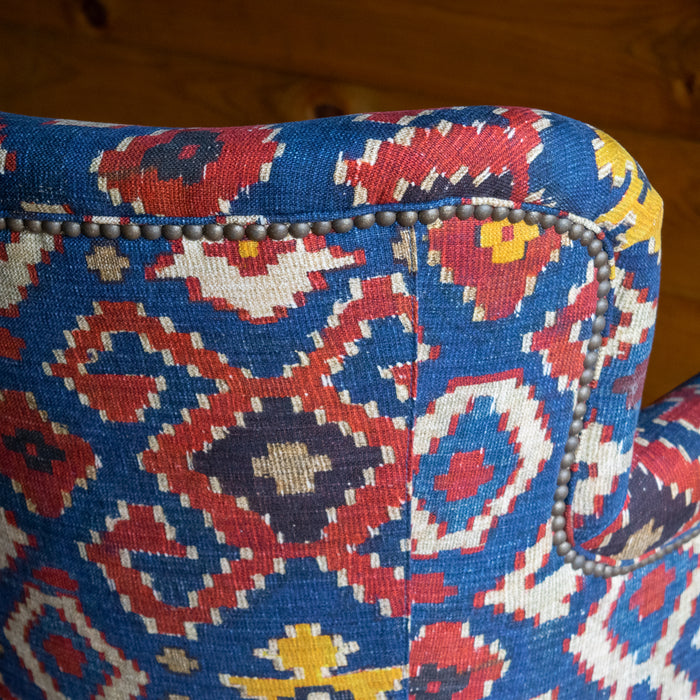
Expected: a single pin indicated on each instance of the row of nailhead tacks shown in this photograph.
(278, 231)
(601, 261)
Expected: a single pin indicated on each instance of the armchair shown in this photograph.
(347, 408)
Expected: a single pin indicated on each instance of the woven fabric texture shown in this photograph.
(323, 468)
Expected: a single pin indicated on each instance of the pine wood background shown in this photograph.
(629, 67)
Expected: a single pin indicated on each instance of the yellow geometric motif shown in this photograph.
(248, 249)
(311, 656)
(507, 240)
(644, 218)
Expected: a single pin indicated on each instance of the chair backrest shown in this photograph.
(288, 409)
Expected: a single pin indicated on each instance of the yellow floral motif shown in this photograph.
(507, 240)
(643, 217)
(311, 656)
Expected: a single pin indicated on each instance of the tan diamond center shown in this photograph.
(291, 466)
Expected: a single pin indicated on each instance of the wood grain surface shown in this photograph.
(630, 67)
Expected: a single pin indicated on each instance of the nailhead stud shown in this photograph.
(110, 231)
(599, 324)
(564, 477)
(561, 226)
(578, 561)
(171, 232)
(192, 232)
(595, 247)
(561, 492)
(90, 230)
(580, 410)
(51, 227)
(213, 232)
(234, 232)
(559, 508)
(483, 211)
(365, 221)
(465, 211)
(559, 537)
(428, 216)
(447, 211)
(342, 225)
(603, 289)
(586, 237)
(576, 231)
(130, 232)
(151, 232)
(321, 228)
(532, 217)
(571, 444)
(603, 273)
(385, 218)
(406, 218)
(563, 549)
(277, 231)
(559, 523)
(255, 232)
(299, 230)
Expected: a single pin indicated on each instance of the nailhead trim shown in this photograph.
(277, 231)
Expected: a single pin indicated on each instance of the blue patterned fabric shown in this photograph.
(324, 467)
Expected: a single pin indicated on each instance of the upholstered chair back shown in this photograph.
(338, 409)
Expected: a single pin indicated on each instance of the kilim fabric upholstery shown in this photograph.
(339, 409)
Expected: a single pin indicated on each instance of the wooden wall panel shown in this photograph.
(630, 67)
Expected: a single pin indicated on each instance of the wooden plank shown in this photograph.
(630, 63)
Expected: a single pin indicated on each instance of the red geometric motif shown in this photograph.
(522, 419)
(145, 529)
(123, 398)
(670, 465)
(27, 620)
(467, 472)
(286, 272)
(446, 156)
(446, 654)
(605, 654)
(309, 389)
(496, 287)
(19, 258)
(10, 346)
(44, 461)
(650, 595)
(187, 172)
(68, 658)
(685, 409)
(637, 317)
(563, 344)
